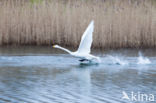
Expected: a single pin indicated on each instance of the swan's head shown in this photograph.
(56, 46)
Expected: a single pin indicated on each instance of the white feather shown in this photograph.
(86, 39)
(84, 49)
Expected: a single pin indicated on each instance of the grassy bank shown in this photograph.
(118, 23)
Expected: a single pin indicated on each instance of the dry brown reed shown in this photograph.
(118, 23)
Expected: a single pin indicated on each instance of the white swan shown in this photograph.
(84, 49)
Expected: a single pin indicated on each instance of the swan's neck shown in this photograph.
(64, 49)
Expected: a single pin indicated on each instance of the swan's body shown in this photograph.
(84, 49)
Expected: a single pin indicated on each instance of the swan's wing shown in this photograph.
(86, 39)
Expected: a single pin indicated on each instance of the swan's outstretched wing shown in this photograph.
(86, 39)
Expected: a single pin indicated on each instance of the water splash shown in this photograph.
(142, 59)
(117, 60)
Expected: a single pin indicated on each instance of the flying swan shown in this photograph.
(84, 49)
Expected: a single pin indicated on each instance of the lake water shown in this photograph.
(45, 75)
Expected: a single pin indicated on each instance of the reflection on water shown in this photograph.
(28, 77)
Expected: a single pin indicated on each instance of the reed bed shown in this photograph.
(118, 23)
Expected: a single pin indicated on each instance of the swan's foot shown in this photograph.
(82, 60)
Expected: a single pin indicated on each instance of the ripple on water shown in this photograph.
(47, 79)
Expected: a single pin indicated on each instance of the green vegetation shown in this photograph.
(36, 1)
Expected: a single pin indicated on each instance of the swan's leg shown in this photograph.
(82, 60)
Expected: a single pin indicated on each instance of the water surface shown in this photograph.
(45, 75)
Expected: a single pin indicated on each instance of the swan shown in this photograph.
(84, 49)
